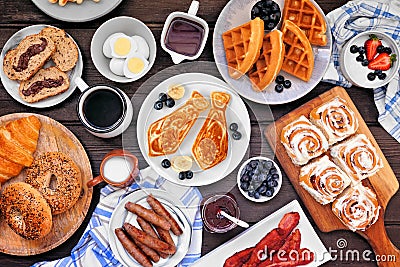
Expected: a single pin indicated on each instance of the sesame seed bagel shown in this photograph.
(26, 211)
(64, 194)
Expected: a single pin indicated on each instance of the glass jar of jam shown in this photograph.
(213, 221)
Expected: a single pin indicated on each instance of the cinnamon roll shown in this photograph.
(336, 120)
(303, 141)
(357, 157)
(323, 180)
(357, 208)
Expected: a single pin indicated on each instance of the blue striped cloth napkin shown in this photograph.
(93, 249)
(349, 20)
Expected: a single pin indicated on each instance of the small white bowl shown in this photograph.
(130, 26)
(355, 73)
(262, 198)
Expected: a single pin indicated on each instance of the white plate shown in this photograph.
(12, 86)
(172, 204)
(249, 238)
(72, 12)
(237, 12)
(236, 112)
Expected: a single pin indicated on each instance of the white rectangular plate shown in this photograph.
(250, 237)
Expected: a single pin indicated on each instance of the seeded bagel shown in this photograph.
(64, 194)
(26, 211)
(66, 54)
(47, 77)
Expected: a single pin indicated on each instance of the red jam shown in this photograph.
(184, 37)
(213, 222)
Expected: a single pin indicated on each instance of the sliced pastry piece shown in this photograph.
(299, 57)
(306, 15)
(211, 144)
(357, 157)
(18, 140)
(165, 135)
(357, 208)
(336, 120)
(8, 169)
(270, 61)
(46, 82)
(303, 141)
(66, 54)
(31, 54)
(7, 64)
(323, 179)
(242, 46)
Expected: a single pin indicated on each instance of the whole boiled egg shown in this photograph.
(135, 65)
(122, 45)
(117, 66)
(143, 47)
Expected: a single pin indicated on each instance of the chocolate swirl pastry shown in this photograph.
(357, 157)
(357, 208)
(336, 120)
(303, 141)
(323, 180)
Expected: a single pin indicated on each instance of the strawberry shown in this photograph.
(371, 46)
(382, 62)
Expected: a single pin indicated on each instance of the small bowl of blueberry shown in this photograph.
(259, 179)
(370, 59)
(269, 11)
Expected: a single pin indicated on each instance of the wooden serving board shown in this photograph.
(53, 137)
(384, 183)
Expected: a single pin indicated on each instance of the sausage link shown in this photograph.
(148, 229)
(165, 236)
(148, 215)
(151, 253)
(132, 249)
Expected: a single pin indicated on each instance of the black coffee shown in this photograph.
(103, 108)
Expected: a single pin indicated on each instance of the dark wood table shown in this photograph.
(18, 14)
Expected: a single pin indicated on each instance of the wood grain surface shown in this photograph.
(53, 137)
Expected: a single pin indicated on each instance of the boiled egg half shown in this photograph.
(122, 45)
(135, 65)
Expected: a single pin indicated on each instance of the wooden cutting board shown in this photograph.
(53, 137)
(384, 183)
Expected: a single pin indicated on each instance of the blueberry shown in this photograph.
(273, 170)
(279, 79)
(272, 183)
(262, 189)
(236, 135)
(251, 193)
(182, 176)
(158, 105)
(249, 168)
(269, 177)
(170, 102)
(371, 76)
(165, 163)
(264, 177)
(162, 97)
(233, 126)
(269, 164)
(275, 176)
(287, 84)
(272, 17)
(387, 50)
(189, 175)
(365, 62)
(256, 195)
(279, 88)
(245, 186)
(353, 49)
(377, 72)
(379, 49)
(245, 178)
(361, 50)
(270, 26)
(256, 171)
(382, 76)
(360, 58)
(275, 7)
(254, 164)
(255, 11)
(269, 192)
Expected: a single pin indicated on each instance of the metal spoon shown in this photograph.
(233, 219)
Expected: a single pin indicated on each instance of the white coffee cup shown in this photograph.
(103, 119)
(190, 16)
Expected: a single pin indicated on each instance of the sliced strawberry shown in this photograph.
(382, 62)
(371, 46)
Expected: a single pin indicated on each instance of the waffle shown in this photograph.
(242, 46)
(270, 61)
(305, 15)
(211, 144)
(299, 58)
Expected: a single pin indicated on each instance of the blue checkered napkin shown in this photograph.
(93, 249)
(351, 19)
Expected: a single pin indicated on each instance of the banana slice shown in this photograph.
(181, 163)
(176, 91)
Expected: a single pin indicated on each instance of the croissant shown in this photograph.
(18, 142)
